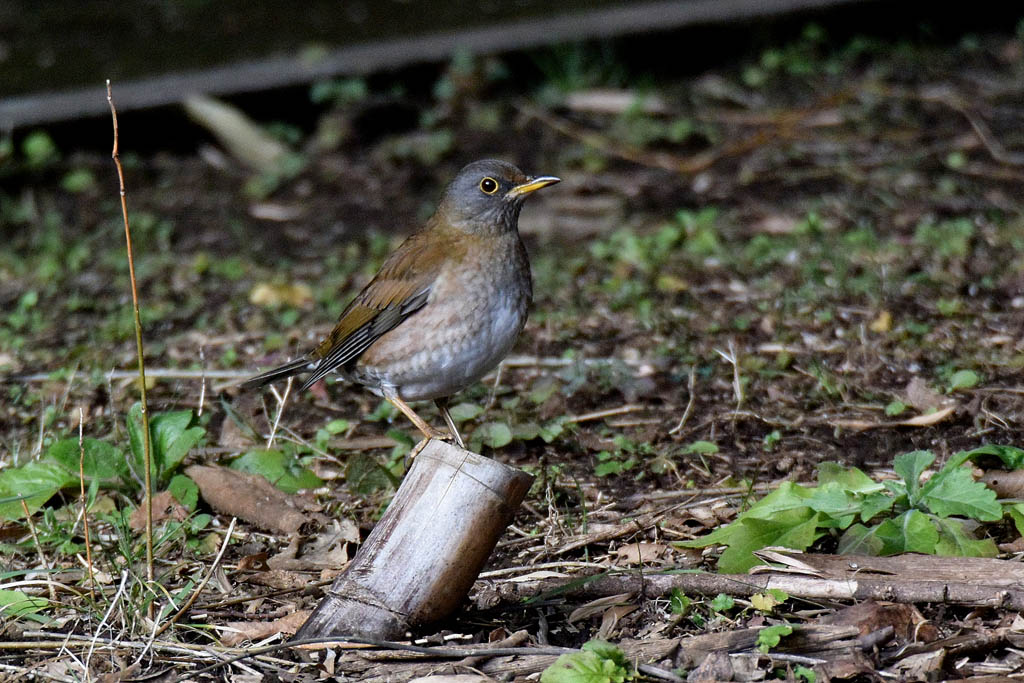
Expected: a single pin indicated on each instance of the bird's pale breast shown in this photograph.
(475, 312)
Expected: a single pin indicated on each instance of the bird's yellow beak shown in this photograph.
(532, 185)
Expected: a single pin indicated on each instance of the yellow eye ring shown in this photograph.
(488, 185)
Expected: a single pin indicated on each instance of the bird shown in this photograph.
(445, 307)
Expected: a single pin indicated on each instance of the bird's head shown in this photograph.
(486, 196)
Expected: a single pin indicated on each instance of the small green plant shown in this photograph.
(596, 662)
(769, 637)
(104, 465)
(877, 518)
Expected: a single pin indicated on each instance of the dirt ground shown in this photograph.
(811, 254)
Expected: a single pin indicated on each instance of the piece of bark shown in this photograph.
(419, 562)
(250, 497)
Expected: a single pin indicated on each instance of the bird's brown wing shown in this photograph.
(400, 288)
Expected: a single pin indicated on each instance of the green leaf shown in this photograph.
(848, 478)
(173, 437)
(18, 604)
(956, 541)
(35, 483)
(805, 673)
(723, 602)
(910, 466)
(701, 447)
(796, 529)
(465, 411)
(282, 471)
(911, 532)
(102, 460)
(875, 503)
(963, 379)
(894, 408)
(954, 492)
(1012, 457)
(493, 434)
(860, 540)
(597, 662)
(184, 491)
(678, 602)
(770, 636)
(336, 426)
(1016, 512)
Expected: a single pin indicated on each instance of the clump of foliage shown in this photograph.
(935, 516)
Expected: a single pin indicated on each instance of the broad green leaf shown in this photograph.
(873, 504)
(606, 650)
(954, 492)
(848, 478)
(955, 540)
(279, 469)
(770, 636)
(524, 431)
(102, 460)
(18, 604)
(838, 507)
(493, 434)
(911, 532)
(587, 666)
(173, 437)
(860, 540)
(37, 481)
(910, 466)
(184, 491)
(1016, 512)
(1011, 456)
(963, 379)
(465, 411)
(796, 529)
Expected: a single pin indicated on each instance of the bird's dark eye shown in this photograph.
(488, 185)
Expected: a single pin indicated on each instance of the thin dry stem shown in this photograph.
(146, 446)
(85, 502)
(689, 404)
(39, 547)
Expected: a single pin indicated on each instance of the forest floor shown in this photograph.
(814, 254)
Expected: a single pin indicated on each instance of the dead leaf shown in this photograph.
(1005, 484)
(610, 620)
(598, 606)
(921, 396)
(271, 295)
(252, 498)
(883, 323)
(640, 553)
(257, 562)
(280, 579)
(258, 630)
(929, 419)
(869, 616)
(165, 507)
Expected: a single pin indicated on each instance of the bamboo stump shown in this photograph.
(419, 562)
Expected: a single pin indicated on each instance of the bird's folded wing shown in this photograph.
(400, 288)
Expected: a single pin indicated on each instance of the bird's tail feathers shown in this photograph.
(295, 367)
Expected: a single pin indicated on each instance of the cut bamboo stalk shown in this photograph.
(419, 562)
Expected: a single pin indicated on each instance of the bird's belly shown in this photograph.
(444, 348)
